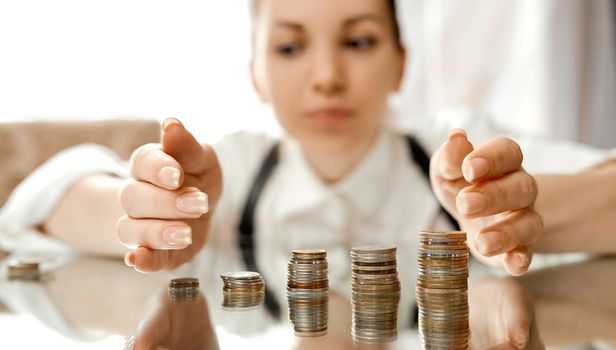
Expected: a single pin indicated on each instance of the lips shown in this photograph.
(331, 115)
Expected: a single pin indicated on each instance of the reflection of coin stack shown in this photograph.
(24, 270)
(442, 290)
(181, 289)
(376, 293)
(307, 292)
(242, 290)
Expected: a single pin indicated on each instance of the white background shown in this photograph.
(541, 67)
(75, 59)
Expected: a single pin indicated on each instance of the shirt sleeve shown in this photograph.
(34, 199)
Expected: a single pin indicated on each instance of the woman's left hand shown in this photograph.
(492, 197)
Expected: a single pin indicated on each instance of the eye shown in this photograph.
(288, 49)
(360, 43)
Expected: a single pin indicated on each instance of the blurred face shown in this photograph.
(327, 67)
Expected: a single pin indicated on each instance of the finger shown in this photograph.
(517, 261)
(154, 234)
(448, 160)
(517, 317)
(446, 178)
(494, 158)
(150, 333)
(151, 164)
(510, 192)
(143, 200)
(182, 145)
(150, 260)
(518, 228)
(535, 341)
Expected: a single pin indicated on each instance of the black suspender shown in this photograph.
(246, 227)
(421, 158)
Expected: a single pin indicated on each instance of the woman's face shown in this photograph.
(327, 68)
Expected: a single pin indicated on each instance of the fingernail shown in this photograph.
(177, 235)
(475, 168)
(489, 242)
(520, 260)
(170, 176)
(193, 203)
(470, 202)
(456, 133)
(170, 121)
(129, 259)
(520, 339)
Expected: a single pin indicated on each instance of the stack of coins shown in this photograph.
(375, 294)
(181, 289)
(242, 290)
(442, 290)
(24, 270)
(308, 292)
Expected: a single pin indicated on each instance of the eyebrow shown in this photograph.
(353, 20)
(347, 23)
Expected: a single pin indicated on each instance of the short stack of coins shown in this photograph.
(442, 290)
(375, 294)
(308, 292)
(182, 289)
(242, 290)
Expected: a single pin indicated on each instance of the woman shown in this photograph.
(340, 177)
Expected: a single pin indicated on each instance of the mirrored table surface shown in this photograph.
(89, 302)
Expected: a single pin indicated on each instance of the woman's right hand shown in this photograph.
(169, 204)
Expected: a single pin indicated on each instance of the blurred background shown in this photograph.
(541, 67)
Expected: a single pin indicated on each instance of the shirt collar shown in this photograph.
(301, 190)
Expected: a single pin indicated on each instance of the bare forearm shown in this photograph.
(87, 215)
(579, 211)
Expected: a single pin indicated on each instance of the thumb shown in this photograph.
(180, 144)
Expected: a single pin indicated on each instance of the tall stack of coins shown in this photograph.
(442, 290)
(308, 292)
(375, 294)
(184, 289)
(242, 290)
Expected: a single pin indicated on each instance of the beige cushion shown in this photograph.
(26, 145)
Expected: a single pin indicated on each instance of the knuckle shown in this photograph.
(500, 193)
(121, 228)
(126, 196)
(146, 159)
(534, 189)
(137, 156)
(528, 187)
(514, 149)
(163, 200)
(538, 222)
(512, 236)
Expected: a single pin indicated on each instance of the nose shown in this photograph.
(328, 76)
